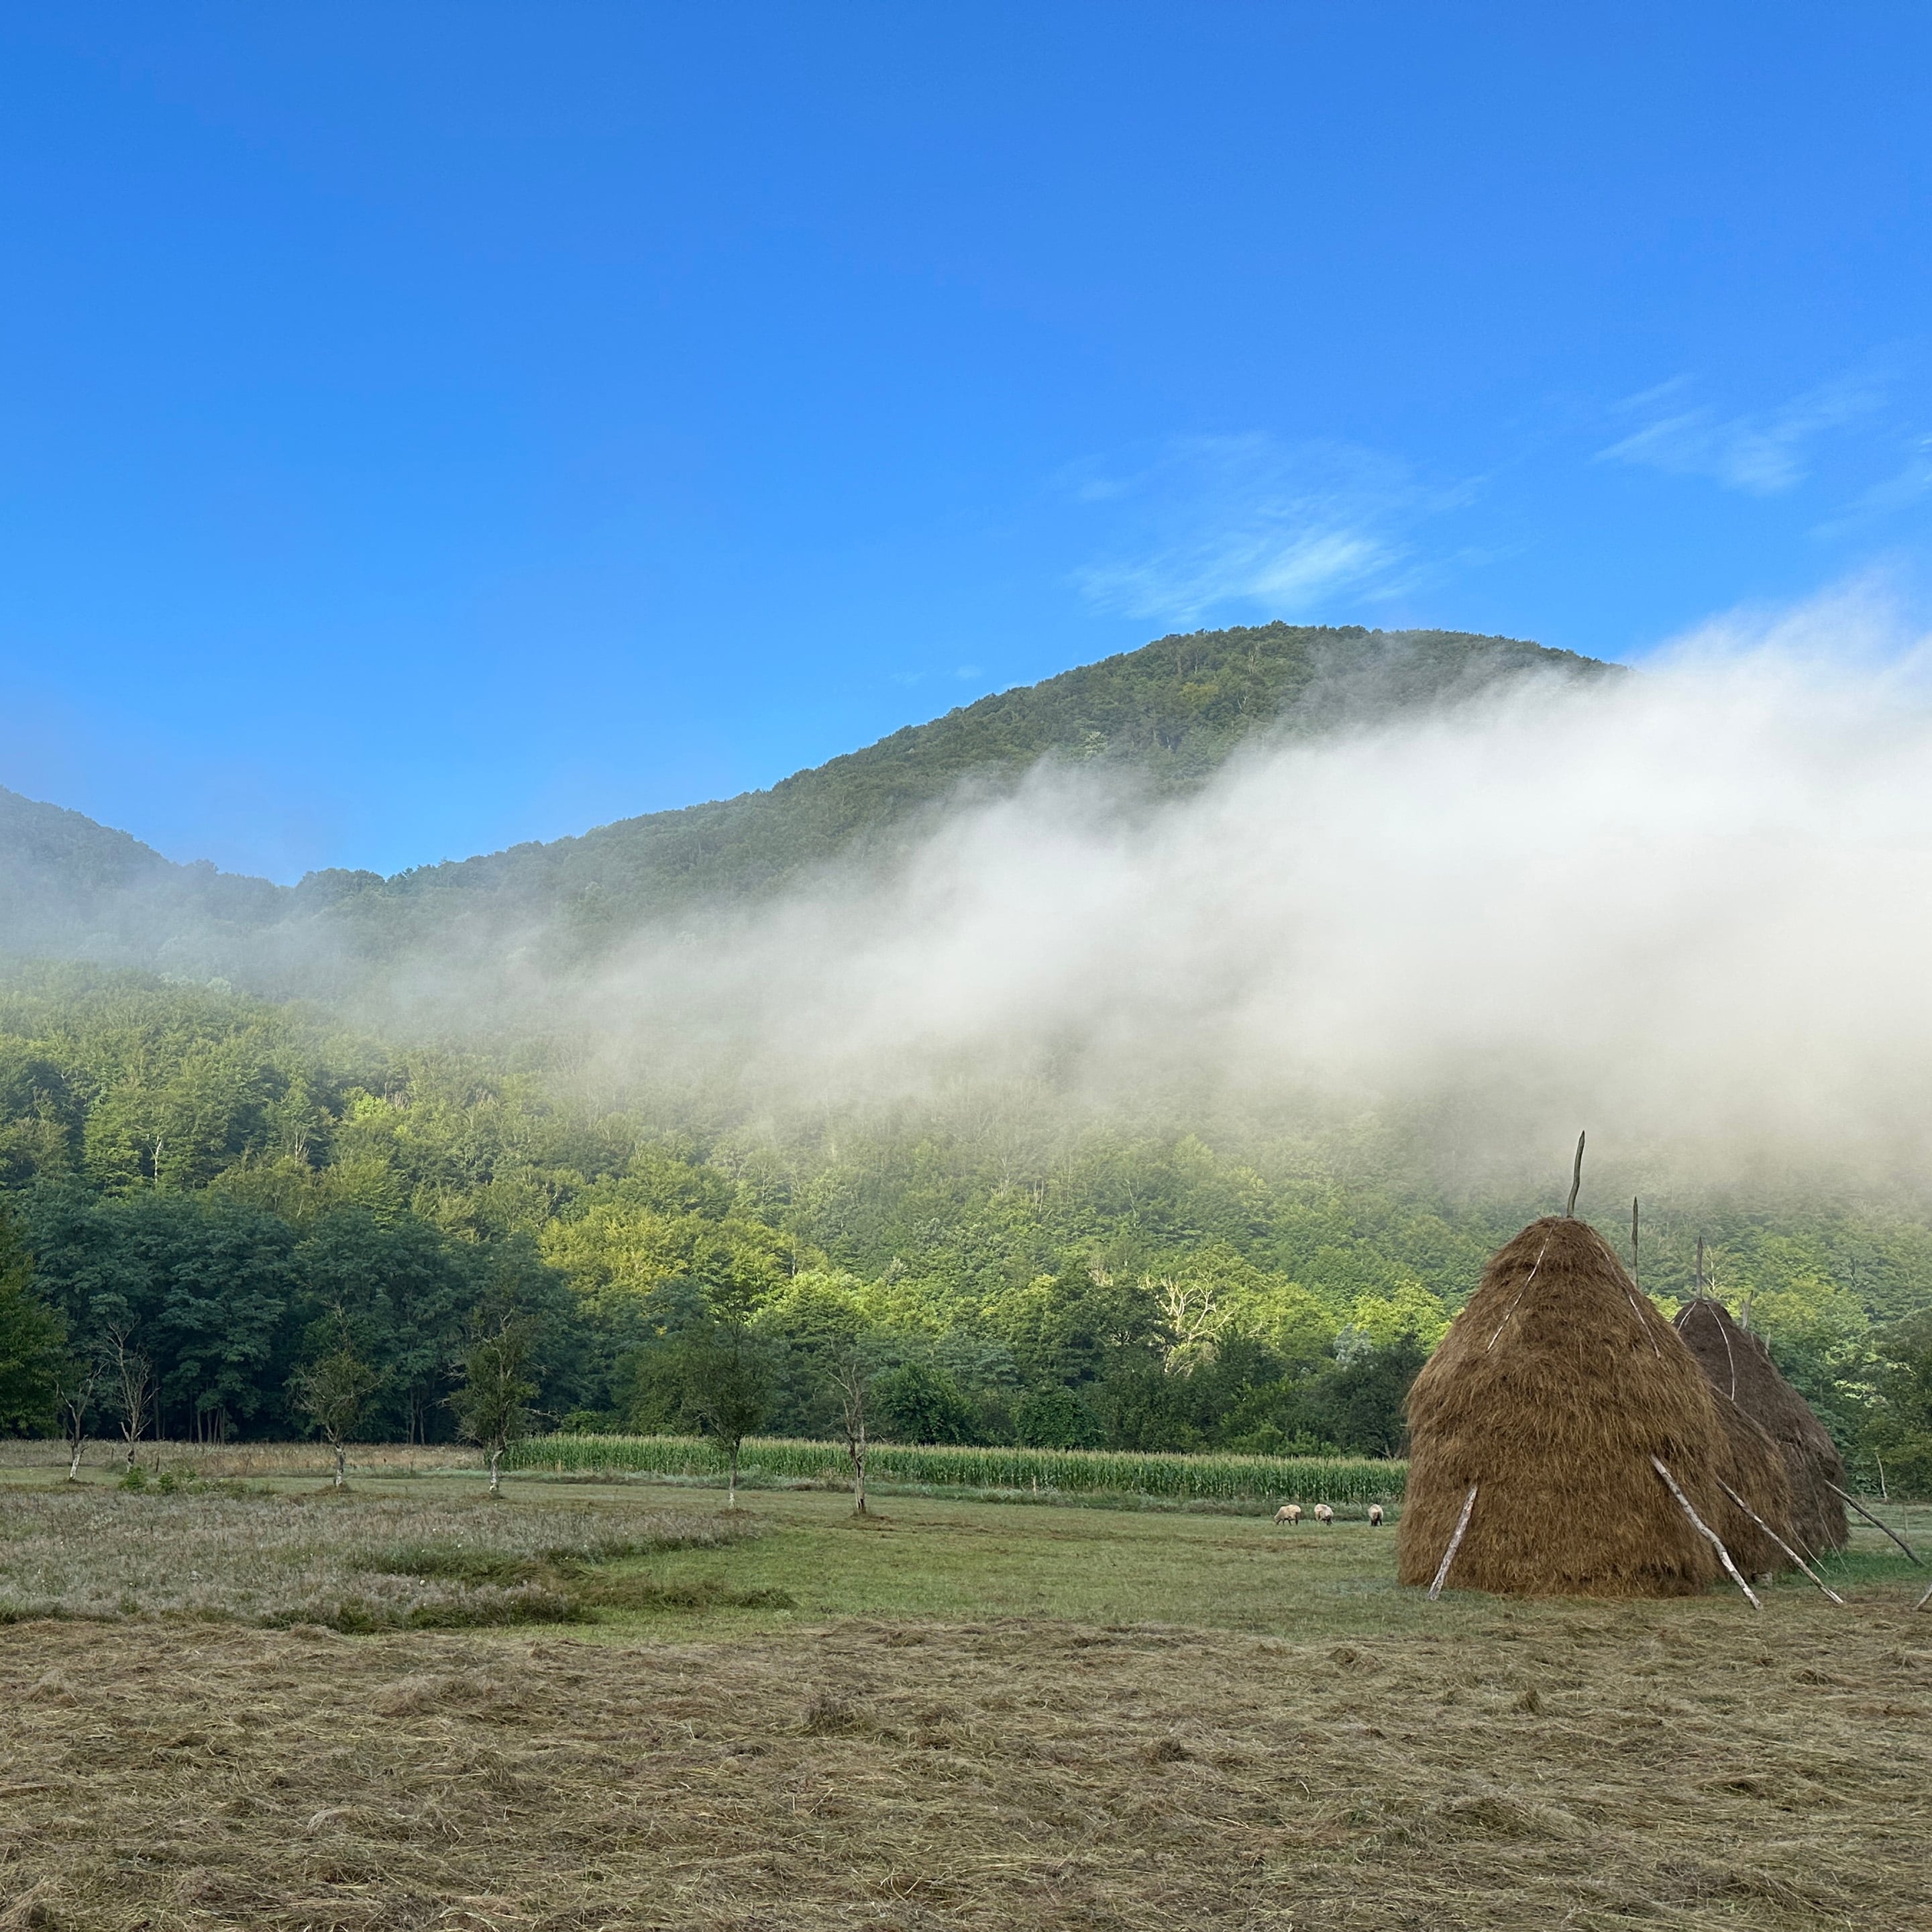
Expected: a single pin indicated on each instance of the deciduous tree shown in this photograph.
(492, 1407)
(32, 1336)
(333, 1393)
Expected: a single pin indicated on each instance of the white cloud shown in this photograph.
(1221, 522)
(1763, 454)
(1906, 488)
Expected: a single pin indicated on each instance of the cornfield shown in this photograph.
(1340, 1480)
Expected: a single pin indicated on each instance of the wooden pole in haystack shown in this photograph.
(1455, 1543)
(1876, 1524)
(1576, 1181)
(1779, 1541)
(1637, 1274)
(1705, 1530)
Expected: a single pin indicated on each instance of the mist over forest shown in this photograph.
(1151, 1058)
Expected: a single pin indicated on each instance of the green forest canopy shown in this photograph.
(241, 1180)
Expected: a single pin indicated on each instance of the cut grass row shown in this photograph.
(1344, 1481)
(346, 1562)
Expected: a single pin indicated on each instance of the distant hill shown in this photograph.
(71, 889)
(1173, 711)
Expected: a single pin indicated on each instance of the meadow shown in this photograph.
(958, 1714)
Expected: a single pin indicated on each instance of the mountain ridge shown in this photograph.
(1173, 710)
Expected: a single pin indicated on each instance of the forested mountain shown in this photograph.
(71, 889)
(237, 1185)
(1172, 711)
(240, 1187)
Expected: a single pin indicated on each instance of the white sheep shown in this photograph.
(1289, 1514)
(1375, 1515)
(1323, 1514)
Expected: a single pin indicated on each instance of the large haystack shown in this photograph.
(1551, 1392)
(1741, 1371)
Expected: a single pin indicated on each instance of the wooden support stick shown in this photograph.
(1923, 1600)
(1455, 1544)
(1704, 1529)
(1519, 1294)
(1781, 1542)
(1576, 1181)
(1876, 1524)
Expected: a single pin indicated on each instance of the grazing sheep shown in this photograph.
(1375, 1515)
(1323, 1514)
(1289, 1514)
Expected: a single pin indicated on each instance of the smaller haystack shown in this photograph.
(1756, 1497)
(1554, 1388)
(1741, 1369)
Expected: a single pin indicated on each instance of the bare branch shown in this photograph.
(1781, 1542)
(1705, 1530)
(1876, 1524)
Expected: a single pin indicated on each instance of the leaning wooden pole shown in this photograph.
(1876, 1524)
(1923, 1600)
(1705, 1530)
(1576, 1181)
(1455, 1544)
(1781, 1542)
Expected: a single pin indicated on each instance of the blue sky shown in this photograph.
(424, 428)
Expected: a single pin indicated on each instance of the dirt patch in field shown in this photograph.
(1589, 1766)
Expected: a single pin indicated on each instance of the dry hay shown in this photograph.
(1553, 1765)
(1741, 1369)
(1552, 1392)
(1752, 1467)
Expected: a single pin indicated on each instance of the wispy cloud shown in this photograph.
(1215, 522)
(1902, 490)
(1763, 454)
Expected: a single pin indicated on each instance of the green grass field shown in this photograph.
(959, 1716)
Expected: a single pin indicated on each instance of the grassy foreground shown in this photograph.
(968, 1716)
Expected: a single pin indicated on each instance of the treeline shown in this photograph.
(242, 1192)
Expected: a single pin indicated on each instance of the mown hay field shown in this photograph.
(964, 1715)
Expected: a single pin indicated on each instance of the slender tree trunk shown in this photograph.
(73, 1467)
(496, 1478)
(859, 1478)
(731, 1489)
(340, 1458)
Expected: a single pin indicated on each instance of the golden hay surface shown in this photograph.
(1581, 1766)
(1551, 1391)
(1752, 1466)
(1740, 1369)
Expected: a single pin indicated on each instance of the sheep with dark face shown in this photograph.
(1375, 1515)
(1289, 1514)
(1323, 1514)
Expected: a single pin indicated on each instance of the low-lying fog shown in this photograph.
(1691, 906)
